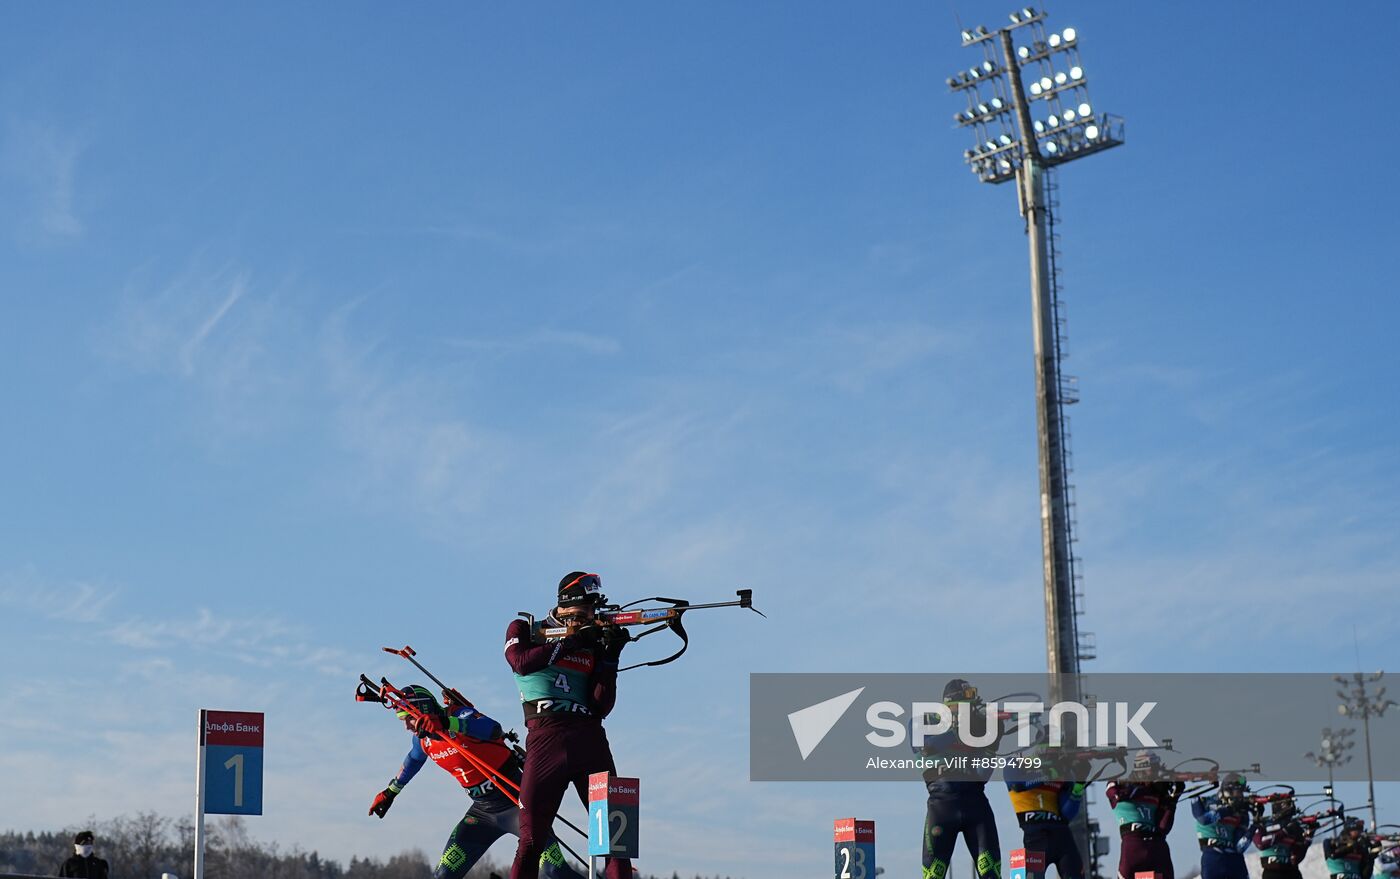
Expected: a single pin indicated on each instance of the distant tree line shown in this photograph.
(148, 844)
(144, 846)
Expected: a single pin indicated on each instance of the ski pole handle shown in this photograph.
(410, 654)
(367, 691)
(392, 698)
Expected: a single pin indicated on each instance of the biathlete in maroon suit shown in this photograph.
(1146, 812)
(492, 813)
(567, 687)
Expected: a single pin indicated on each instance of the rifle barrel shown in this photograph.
(626, 615)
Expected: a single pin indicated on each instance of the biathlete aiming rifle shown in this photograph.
(1386, 845)
(393, 698)
(656, 618)
(1309, 819)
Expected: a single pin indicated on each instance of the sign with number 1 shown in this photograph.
(233, 762)
(855, 849)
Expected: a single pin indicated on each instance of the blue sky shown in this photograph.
(332, 328)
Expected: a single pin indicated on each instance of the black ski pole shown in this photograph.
(449, 692)
(393, 699)
(408, 653)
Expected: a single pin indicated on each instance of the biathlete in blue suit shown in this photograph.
(1223, 829)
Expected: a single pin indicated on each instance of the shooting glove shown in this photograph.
(384, 799)
(430, 723)
(588, 636)
(614, 639)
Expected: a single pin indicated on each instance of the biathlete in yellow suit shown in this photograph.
(1044, 807)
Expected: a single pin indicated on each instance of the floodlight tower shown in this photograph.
(1358, 702)
(1028, 110)
(1333, 753)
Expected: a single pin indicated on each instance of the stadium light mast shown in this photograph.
(1028, 110)
(1333, 753)
(1356, 701)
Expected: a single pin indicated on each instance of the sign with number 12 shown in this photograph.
(612, 815)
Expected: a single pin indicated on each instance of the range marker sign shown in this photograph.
(855, 849)
(233, 761)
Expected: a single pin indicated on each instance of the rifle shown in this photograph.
(1259, 799)
(1210, 776)
(1312, 819)
(1036, 724)
(657, 618)
(1111, 756)
(1391, 838)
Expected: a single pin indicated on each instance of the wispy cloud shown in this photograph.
(165, 326)
(636, 461)
(262, 641)
(232, 344)
(547, 338)
(255, 364)
(853, 357)
(192, 345)
(408, 438)
(258, 640)
(514, 234)
(72, 602)
(875, 351)
(43, 160)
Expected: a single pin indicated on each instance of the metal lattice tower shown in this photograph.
(1067, 395)
(1029, 111)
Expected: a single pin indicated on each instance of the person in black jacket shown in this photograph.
(958, 805)
(83, 862)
